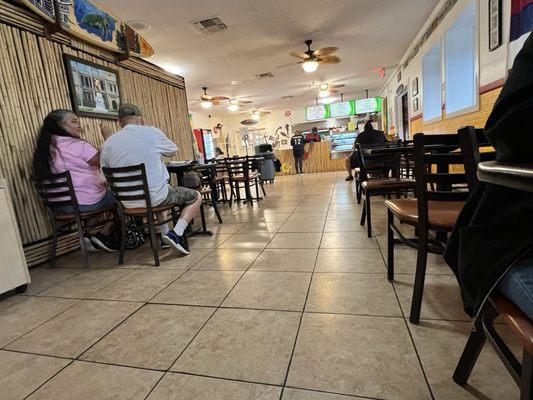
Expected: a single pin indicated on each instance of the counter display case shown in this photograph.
(341, 144)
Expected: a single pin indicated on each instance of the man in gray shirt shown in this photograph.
(136, 144)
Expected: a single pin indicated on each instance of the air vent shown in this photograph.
(265, 75)
(210, 25)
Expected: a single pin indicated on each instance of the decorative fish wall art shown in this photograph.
(88, 21)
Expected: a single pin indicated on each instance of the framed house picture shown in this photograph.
(415, 104)
(495, 24)
(94, 89)
(415, 87)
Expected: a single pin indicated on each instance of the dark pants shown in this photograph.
(298, 162)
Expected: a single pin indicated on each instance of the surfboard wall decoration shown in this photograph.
(88, 21)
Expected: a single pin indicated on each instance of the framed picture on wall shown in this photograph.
(415, 87)
(495, 24)
(94, 89)
(415, 104)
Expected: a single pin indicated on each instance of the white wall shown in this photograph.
(492, 65)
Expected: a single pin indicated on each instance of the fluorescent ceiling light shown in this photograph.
(206, 104)
(310, 66)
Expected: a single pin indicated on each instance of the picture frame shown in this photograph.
(94, 89)
(495, 24)
(415, 104)
(414, 87)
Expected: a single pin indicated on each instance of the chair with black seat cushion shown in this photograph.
(433, 211)
(56, 191)
(374, 176)
(130, 184)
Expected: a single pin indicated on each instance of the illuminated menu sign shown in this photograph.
(344, 109)
(318, 112)
(364, 106)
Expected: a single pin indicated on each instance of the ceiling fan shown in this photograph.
(208, 101)
(311, 59)
(326, 89)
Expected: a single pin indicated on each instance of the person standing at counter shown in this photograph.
(313, 136)
(368, 136)
(298, 147)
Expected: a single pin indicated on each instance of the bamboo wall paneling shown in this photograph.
(317, 161)
(33, 81)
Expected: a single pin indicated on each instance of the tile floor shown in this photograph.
(288, 300)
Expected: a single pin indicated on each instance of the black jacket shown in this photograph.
(495, 227)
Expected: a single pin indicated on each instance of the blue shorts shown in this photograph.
(106, 201)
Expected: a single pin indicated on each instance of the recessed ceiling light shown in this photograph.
(139, 26)
(235, 82)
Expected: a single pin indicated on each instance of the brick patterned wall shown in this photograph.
(449, 125)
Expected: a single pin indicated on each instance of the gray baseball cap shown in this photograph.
(129, 110)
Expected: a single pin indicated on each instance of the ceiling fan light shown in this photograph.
(233, 107)
(323, 93)
(327, 100)
(310, 66)
(255, 117)
(206, 104)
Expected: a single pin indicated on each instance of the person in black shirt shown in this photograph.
(298, 143)
(368, 136)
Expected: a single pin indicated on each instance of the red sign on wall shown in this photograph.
(288, 113)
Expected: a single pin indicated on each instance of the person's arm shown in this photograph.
(105, 131)
(166, 146)
(95, 160)
(89, 154)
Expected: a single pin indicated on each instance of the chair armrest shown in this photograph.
(516, 176)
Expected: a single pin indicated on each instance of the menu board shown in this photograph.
(364, 106)
(343, 109)
(318, 112)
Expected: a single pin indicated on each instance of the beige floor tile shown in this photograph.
(309, 208)
(368, 294)
(405, 262)
(83, 380)
(246, 345)
(208, 242)
(140, 285)
(205, 288)
(270, 290)
(152, 338)
(226, 227)
(298, 394)
(302, 226)
(285, 260)
(348, 240)
(71, 333)
(441, 300)
(28, 314)
(344, 207)
(358, 355)
(174, 260)
(336, 225)
(228, 260)
(295, 241)
(86, 283)
(349, 215)
(440, 344)
(21, 374)
(8, 299)
(43, 278)
(189, 387)
(261, 227)
(247, 241)
(274, 217)
(350, 260)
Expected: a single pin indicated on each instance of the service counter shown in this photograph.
(318, 159)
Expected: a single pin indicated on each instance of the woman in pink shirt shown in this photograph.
(59, 149)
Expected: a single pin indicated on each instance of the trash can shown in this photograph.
(266, 166)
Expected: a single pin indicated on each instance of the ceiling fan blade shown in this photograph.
(205, 97)
(245, 101)
(264, 112)
(338, 86)
(215, 102)
(220, 98)
(299, 54)
(329, 60)
(325, 51)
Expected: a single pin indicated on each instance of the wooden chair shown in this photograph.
(221, 180)
(518, 177)
(240, 177)
(130, 184)
(208, 191)
(374, 177)
(56, 190)
(432, 211)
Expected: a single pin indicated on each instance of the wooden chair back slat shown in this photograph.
(472, 140)
(127, 187)
(57, 190)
